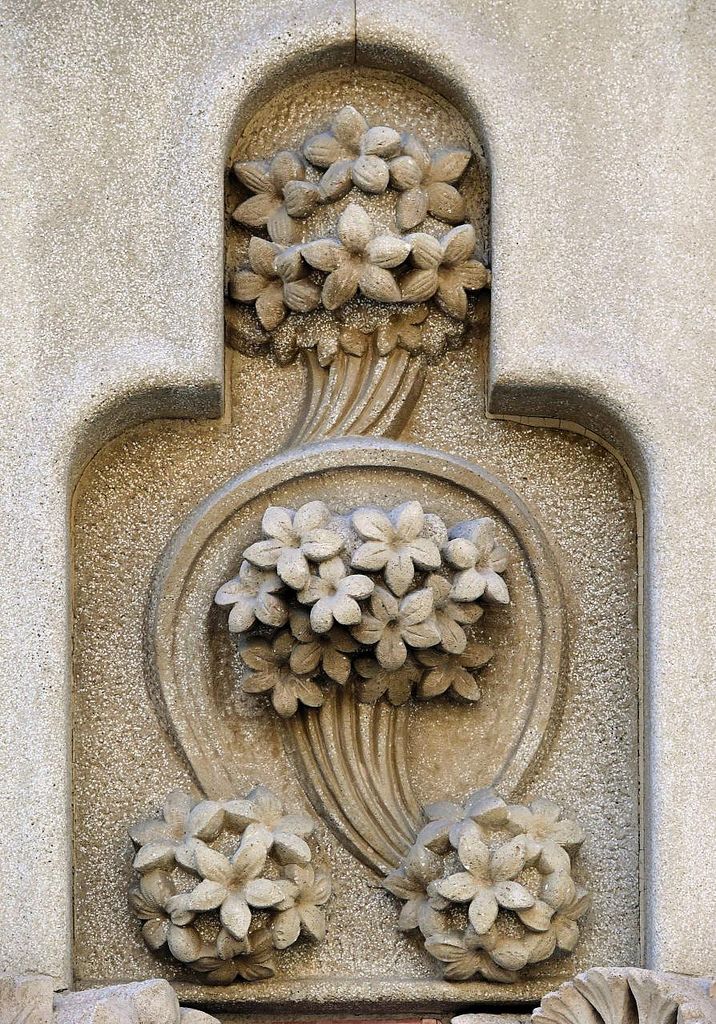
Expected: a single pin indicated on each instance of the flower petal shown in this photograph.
(245, 286)
(381, 141)
(340, 286)
(370, 174)
(291, 849)
(270, 308)
(445, 202)
(255, 211)
(337, 180)
(411, 209)
(387, 251)
(355, 228)
(235, 916)
(254, 174)
(537, 917)
(405, 173)
(419, 285)
(262, 892)
(451, 295)
(483, 911)
(323, 149)
(513, 895)
(379, 284)
(390, 650)
(449, 164)
(399, 570)
(286, 928)
(508, 860)
(458, 244)
(313, 922)
(184, 943)
(286, 166)
(372, 555)
(292, 567)
(301, 198)
(323, 254)
(458, 888)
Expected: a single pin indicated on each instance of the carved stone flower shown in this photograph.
(397, 683)
(475, 551)
(358, 259)
(306, 890)
(410, 883)
(395, 543)
(487, 883)
(445, 268)
(427, 183)
(272, 673)
(562, 932)
(328, 651)
(233, 885)
(268, 181)
(452, 672)
(253, 596)
(394, 625)
(446, 821)
(251, 959)
(450, 615)
(149, 902)
(334, 595)
(465, 957)
(262, 813)
(354, 153)
(293, 539)
(183, 826)
(542, 826)
(275, 281)
(402, 331)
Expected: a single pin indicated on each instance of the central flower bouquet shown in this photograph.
(383, 598)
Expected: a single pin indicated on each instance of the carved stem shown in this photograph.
(352, 760)
(366, 394)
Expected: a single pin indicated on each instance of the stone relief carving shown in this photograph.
(343, 614)
(223, 886)
(508, 869)
(397, 631)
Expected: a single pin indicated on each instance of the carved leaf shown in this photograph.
(419, 285)
(323, 150)
(254, 174)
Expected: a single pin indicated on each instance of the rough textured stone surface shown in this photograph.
(117, 121)
(25, 999)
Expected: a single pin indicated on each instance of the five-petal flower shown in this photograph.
(149, 902)
(354, 154)
(305, 892)
(334, 595)
(487, 883)
(391, 625)
(427, 183)
(359, 258)
(452, 672)
(251, 959)
(231, 884)
(294, 538)
(396, 543)
(410, 883)
(268, 205)
(272, 673)
(397, 683)
(543, 826)
(474, 549)
(445, 268)
(184, 825)
(276, 281)
(253, 596)
(263, 813)
(465, 955)
(329, 651)
(450, 615)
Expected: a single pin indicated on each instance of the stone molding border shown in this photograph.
(598, 996)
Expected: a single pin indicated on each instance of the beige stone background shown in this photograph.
(116, 120)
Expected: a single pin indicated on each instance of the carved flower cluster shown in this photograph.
(383, 597)
(239, 871)
(489, 886)
(287, 274)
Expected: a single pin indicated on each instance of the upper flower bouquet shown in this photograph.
(400, 237)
